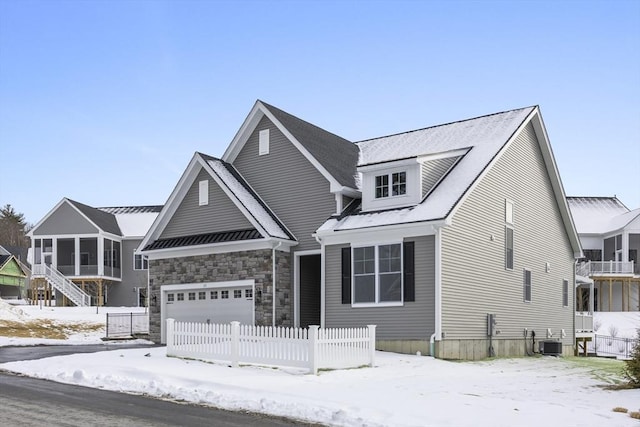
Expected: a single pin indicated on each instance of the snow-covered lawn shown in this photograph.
(401, 390)
(37, 325)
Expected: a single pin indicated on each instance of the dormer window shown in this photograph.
(398, 184)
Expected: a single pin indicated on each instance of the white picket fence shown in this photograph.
(312, 348)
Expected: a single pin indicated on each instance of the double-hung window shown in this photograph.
(140, 262)
(393, 184)
(377, 274)
(508, 235)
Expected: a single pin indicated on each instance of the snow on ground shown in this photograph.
(624, 324)
(60, 316)
(401, 390)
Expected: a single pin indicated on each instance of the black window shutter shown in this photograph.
(408, 270)
(346, 275)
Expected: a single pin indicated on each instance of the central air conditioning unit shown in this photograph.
(550, 348)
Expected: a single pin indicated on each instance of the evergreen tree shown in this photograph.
(13, 228)
(632, 368)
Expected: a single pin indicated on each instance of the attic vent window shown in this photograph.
(203, 188)
(398, 184)
(263, 142)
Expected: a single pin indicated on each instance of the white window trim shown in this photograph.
(144, 259)
(389, 176)
(565, 282)
(508, 211)
(203, 192)
(263, 142)
(377, 277)
(513, 247)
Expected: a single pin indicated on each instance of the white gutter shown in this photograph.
(322, 280)
(273, 283)
(438, 284)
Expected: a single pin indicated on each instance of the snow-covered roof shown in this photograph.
(599, 215)
(135, 224)
(483, 137)
(248, 199)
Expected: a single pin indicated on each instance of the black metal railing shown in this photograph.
(607, 346)
(121, 325)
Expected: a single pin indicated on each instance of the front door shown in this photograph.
(309, 276)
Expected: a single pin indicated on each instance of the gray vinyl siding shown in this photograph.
(474, 279)
(123, 293)
(65, 220)
(412, 321)
(288, 183)
(221, 214)
(432, 172)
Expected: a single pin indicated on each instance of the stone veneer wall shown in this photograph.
(244, 265)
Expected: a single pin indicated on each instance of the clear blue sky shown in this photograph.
(105, 102)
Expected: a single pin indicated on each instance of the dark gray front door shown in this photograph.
(309, 290)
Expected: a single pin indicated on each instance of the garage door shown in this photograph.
(209, 303)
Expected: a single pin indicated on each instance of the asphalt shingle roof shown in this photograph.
(104, 220)
(336, 154)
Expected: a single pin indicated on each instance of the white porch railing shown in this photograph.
(583, 269)
(611, 267)
(312, 348)
(59, 282)
(584, 322)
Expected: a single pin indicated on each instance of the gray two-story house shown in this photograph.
(428, 234)
(87, 256)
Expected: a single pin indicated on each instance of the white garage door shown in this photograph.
(210, 303)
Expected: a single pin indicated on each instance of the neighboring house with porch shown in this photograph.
(86, 255)
(610, 237)
(13, 276)
(423, 234)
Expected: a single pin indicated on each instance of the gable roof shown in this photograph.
(105, 221)
(338, 155)
(6, 259)
(333, 156)
(479, 142)
(123, 221)
(600, 215)
(266, 223)
(248, 198)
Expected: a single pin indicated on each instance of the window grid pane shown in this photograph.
(382, 186)
(399, 183)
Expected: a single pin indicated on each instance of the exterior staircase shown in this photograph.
(60, 283)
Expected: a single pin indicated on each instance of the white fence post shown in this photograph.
(372, 344)
(170, 329)
(313, 349)
(235, 343)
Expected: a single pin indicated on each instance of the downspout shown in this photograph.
(437, 336)
(273, 284)
(322, 281)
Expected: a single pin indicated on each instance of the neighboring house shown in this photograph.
(87, 255)
(423, 234)
(13, 276)
(610, 237)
